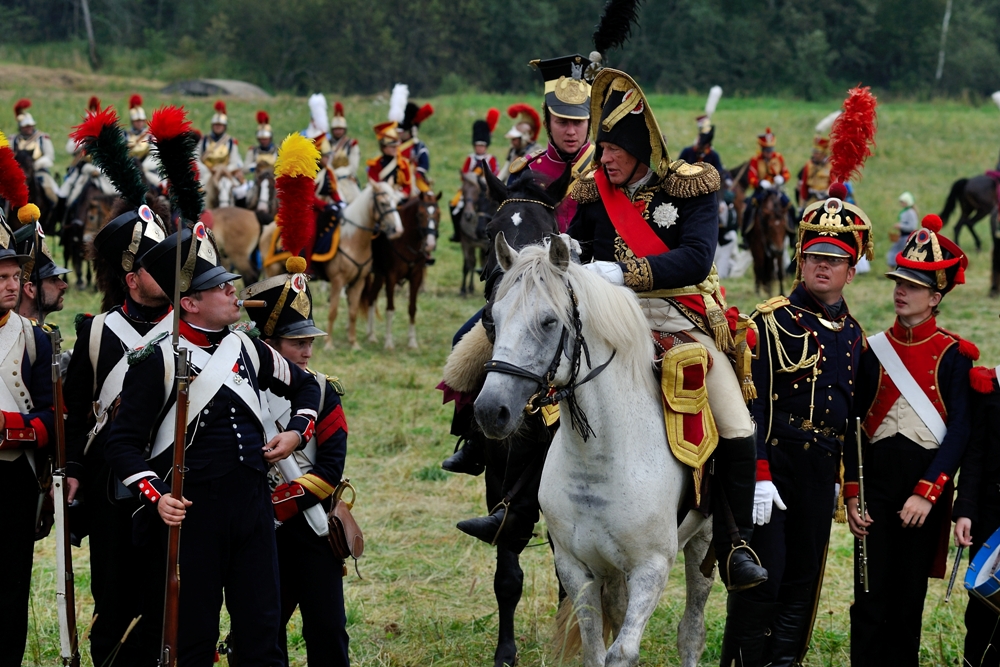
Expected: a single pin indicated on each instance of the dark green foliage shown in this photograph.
(799, 47)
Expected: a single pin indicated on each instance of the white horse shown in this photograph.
(611, 490)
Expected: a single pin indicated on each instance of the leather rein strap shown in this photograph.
(548, 394)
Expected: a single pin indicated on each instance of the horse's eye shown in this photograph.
(549, 322)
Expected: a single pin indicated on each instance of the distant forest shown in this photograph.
(804, 48)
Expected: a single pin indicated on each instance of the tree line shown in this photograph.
(751, 47)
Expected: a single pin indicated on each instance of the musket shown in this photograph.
(954, 573)
(862, 508)
(182, 360)
(69, 649)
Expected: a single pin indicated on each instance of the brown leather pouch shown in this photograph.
(345, 536)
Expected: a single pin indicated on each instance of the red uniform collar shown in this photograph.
(197, 336)
(916, 334)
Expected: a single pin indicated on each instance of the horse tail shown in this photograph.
(956, 191)
(566, 642)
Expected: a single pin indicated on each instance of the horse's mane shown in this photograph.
(531, 186)
(609, 312)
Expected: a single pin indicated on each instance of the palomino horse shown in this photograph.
(403, 259)
(237, 233)
(372, 213)
(477, 210)
(976, 198)
(348, 188)
(766, 238)
(611, 490)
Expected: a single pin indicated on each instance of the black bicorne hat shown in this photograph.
(567, 92)
(200, 268)
(123, 241)
(287, 312)
(40, 265)
(623, 117)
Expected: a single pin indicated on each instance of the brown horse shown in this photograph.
(372, 213)
(766, 238)
(237, 233)
(88, 216)
(402, 259)
(477, 211)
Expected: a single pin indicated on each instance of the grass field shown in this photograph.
(427, 598)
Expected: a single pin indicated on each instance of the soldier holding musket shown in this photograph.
(26, 421)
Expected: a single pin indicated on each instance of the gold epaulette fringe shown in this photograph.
(744, 356)
(840, 514)
(585, 191)
(691, 180)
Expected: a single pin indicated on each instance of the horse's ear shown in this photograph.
(440, 194)
(497, 190)
(505, 254)
(558, 252)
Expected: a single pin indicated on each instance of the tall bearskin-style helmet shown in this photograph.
(833, 226)
(338, 120)
(527, 123)
(220, 117)
(263, 125)
(414, 116)
(482, 130)
(624, 118)
(135, 110)
(930, 260)
(21, 113)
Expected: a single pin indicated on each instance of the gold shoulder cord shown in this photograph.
(787, 366)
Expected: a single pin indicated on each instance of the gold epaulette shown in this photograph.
(585, 190)
(337, 385)
(520, 163)
(691, 180)
(773, 304)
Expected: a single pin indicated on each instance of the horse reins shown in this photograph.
(548, 394)
(381, 213)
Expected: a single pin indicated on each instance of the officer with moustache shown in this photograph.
(311, 577)
(43, 282)
(26, 422)
(134, 311)
(229, 542)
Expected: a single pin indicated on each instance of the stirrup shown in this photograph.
(736, 547)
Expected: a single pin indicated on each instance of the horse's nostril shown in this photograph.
(503, 416)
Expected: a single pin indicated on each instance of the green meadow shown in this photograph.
(426, 597)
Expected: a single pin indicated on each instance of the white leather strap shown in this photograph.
(908, 387)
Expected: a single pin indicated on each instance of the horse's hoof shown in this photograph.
(389, 345)
(373, 338)
(412, 344)
(355, 347)
(328, 346)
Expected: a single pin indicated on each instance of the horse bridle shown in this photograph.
(548, 393)
(381, 209)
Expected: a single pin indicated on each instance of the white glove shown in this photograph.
(765, 497)
(610, 271)
(766, 184)
(779, 180)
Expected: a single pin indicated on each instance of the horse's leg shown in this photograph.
(645, 585)
(507, 585)
(691, 629)
(390, 308)
(584, 596)
(371, 297)
(336, 283)
(416, 282)
(353, 306)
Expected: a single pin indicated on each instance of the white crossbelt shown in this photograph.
(908, 387)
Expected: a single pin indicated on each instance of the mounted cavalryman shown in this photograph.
(346, 157)
(652, 225)
(38, 146)
(523, 135)
(219, 156)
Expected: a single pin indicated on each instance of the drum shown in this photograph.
(981, 578)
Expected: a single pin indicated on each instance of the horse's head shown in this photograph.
(554, 323)
(428, 220)
(385, 217)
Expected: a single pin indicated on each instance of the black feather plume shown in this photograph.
(616, 24)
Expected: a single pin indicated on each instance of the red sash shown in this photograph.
(628, 222)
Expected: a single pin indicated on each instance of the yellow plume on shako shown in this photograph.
(297, 156)
(3, 140)
(294, 170)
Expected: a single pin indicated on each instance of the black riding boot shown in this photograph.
(734, 479)
(790, 627)
(502, 527)
(746, 631)
(467, 459)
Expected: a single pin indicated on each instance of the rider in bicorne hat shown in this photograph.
(916, 391)
(311, 577)
(652, 225)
